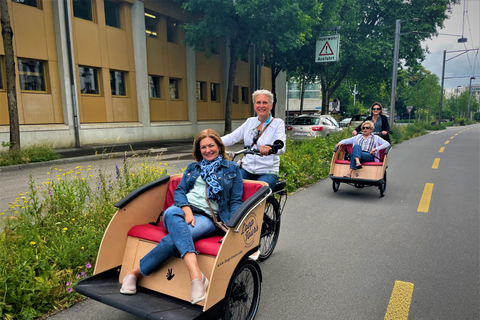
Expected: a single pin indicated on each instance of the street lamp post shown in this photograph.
(470, 96)
(456, 99)
(395, 66)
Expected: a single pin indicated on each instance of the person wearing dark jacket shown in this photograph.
(379, 120)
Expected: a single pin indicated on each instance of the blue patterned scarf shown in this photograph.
(208, 175)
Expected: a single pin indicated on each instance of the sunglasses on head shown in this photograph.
(365, 127)
(376, 109)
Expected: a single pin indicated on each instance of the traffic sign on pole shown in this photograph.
(409, 109)
(327, 48)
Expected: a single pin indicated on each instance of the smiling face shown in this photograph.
(262, 106)
(209, 149)
(376, 109)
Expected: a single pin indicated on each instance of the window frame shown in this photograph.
(215, 92)
(39, 4)
(176, 88)
(172, 25)
(201, 91)
(153, 16)
(151, 77)
(124, 78)
(92, 10)
(245, 95)
(96, 77)
(118, 13)
(43, 74)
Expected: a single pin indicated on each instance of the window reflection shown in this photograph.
(88, 80)
(83, 9)
(31, 74)
(174, 94)
(112, 14)
(117, 83)
(215, 92)
(31, 3)
(154, 82)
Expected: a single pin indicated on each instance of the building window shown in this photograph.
(155, 85)
(174, 93)
(215, 92)
(151, 24)
(88, 80)
(83, 9)
(32, 75)
(201, 91)
(31, 3)
(117, 83)
(1, 74)
(235, 94)
(172, 31)
(112, 14)
(245, 95)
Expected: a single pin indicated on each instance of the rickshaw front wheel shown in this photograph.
(383, 185)
(243, 292)
(270, 228)
(336, 185)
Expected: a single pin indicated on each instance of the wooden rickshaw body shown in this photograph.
(371, 173)
(129, 236)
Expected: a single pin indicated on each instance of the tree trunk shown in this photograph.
(7, 34)
(231, 82)
(325, 94)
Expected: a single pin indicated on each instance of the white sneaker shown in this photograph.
(129, 285)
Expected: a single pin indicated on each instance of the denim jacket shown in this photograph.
(229, 177)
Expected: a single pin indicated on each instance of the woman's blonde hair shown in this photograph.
(208, 133)
(369, 123)
(376, 104)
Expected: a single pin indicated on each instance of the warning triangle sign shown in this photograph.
(326, 50)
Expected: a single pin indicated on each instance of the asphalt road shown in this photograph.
(354, 255)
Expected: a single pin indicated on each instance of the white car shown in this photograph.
(345, 122)
(312, 125)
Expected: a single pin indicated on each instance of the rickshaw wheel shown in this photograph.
(336, 185)
(243, 293)
(383, 185)
(270, 228)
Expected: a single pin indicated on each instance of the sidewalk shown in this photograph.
(172, 149)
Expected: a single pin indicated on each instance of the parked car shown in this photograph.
(345, 122)
(311, 126)
(357, 120)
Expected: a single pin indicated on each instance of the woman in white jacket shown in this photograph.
(366, 147)
(257, 132)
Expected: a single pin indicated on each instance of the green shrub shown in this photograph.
(36, 153)
(52, 235)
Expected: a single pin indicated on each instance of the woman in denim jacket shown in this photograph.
(190, 217)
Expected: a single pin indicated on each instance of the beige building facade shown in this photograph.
(96, 72)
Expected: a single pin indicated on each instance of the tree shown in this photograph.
(423, 93)
(7, 35)
(367, 39)
(243, 23)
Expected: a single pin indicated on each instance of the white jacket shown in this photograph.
(246, 132)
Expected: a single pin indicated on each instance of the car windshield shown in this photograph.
(306, 121)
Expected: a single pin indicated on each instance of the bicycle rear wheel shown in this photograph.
(270, 228)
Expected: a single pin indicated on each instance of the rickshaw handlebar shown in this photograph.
(277, 145)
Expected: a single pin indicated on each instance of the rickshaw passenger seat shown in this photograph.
(208, 246)
(348, 148)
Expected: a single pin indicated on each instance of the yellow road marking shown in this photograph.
(400, 301)
(446, 142)
(451, 138)
(435, 163)
(426, 197)
(441, 149)
(456, 134)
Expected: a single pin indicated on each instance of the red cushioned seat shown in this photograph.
(348, 148)
(209, 246)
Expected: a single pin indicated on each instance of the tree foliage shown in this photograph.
(271, 25)
(367, 40)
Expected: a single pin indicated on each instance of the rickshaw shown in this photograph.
(235, 278)
(372, 173)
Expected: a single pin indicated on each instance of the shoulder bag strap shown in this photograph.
(220, 223)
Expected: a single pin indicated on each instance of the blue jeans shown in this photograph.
(179, 240)
(362, 155)
(269, 178)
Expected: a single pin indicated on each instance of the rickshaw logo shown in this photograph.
(249, 228)
(170, 275)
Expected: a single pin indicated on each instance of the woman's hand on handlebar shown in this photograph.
(354, 132)
(384, 133)
(265, 150)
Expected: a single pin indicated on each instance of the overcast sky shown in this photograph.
(465, 19)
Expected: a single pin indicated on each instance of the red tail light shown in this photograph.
(317, 128)
(289, 128)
